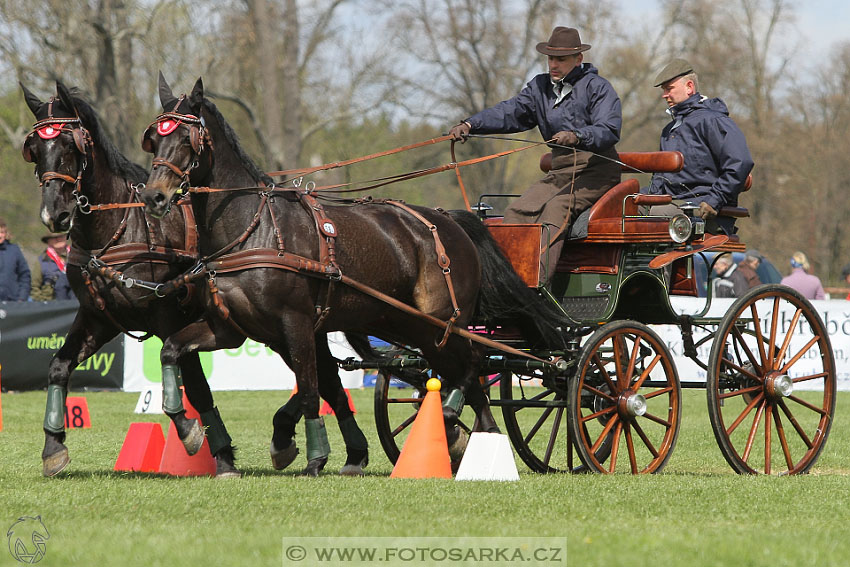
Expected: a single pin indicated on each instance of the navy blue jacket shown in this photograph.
(14, 273)
(717, 160)
(50, 272)
(592, 109)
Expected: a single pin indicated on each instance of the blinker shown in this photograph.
(167, 126)
(50, 131)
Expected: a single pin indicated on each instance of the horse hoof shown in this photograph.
(355, 464)
(314, 467)
(224, 468)
(283, 458)
(194, 439)
(458, 448)
(55, 463)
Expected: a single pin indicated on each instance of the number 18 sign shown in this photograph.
(76, 413)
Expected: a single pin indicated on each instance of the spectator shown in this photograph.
(801, 280)
(748, 267)
(53, 281)
(730, 282)
(14, 271)
(845, 273)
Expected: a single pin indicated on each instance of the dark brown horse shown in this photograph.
(78, 168)
(281, 267)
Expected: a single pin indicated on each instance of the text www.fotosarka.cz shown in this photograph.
(425, 550)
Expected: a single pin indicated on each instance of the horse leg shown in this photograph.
(330, 388)
(84, 339)
(180, 354)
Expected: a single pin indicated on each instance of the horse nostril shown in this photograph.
(159, 198)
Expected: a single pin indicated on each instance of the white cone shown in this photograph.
(488, 456)
(150, 400)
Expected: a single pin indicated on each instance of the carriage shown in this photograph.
(614, 400)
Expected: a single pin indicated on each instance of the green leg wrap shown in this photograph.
(317, 439)
(172, 397)
(54, 414)
(352, 435)
(216, 432)
(454, 400)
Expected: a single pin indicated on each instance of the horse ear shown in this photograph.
(65, 97)
(33, 102)
(166, 96)
(197, 95)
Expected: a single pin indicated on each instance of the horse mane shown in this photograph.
(233, 141)
(117, 162)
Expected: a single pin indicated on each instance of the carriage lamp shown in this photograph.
(680, 228)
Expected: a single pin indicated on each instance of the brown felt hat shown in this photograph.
(674, 69)
(50, 235)
(563, 41)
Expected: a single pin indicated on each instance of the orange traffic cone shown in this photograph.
(426, 453)
(175, 460)
(326, 408)
(142, 448)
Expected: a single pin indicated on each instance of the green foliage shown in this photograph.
(696, 513)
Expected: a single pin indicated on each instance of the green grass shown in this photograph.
(696, 513)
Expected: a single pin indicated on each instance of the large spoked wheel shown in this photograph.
(626, 390)
(396, 406)
(762, 420)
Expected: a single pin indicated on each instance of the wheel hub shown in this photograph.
(632, 405)
(779, 386)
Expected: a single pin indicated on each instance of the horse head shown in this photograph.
(60, 147)
(180, 144)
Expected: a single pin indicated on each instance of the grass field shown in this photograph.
(696, 513)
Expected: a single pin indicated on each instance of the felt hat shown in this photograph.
(563, 41)
(753, 253)
(674, 69)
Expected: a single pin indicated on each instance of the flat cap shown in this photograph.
(753, 253)
(675, 69)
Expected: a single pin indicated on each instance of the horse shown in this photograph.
(281, 267)
(112, 251)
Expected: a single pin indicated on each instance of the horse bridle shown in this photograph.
(50, 128)
(199, 140)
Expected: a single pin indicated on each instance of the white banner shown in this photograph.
(252, 366)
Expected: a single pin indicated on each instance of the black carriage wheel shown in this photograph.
(625, 384)
(537, 424)
(762, 423)
(394, 414)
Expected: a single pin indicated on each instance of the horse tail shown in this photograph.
(504, 298)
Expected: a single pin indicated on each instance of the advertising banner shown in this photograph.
(32, 332)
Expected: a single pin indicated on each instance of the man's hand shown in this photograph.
(565, 138)
(706, 211)
(460, 132)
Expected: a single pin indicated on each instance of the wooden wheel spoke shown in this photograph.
(599, 413)
(810, 377)
(403, 425)
(806, 404)
(619, 372)
(553, 435)
(774, 325)
(607, 377)
(757, 329)
(753, 430)
(631, 447)
(799, 355)
(645, 374)
(767, 432)
(744, 414)
(615, 447)
(599, 393)
(540, 421)
(740, 340)
(630, 371)
(742, 370)
(657, 393)
(781, 354)
(656, 419)
(605, 430)
(780, 430)
(643, 436)
(796, 425)
(741, 392)
(404, 400)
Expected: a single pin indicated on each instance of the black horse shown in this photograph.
(78, 168)
(281, 267)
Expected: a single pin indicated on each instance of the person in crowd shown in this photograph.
(717, 159)
(801, 278)
(749, 266)
(845, 273)
(578, 113)
(729, 281)
(54, 283)
(14, 271)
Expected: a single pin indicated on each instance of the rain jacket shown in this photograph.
(14, 273)
(717, 160)
(592, 109)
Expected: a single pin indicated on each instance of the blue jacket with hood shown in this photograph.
(717, 159)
